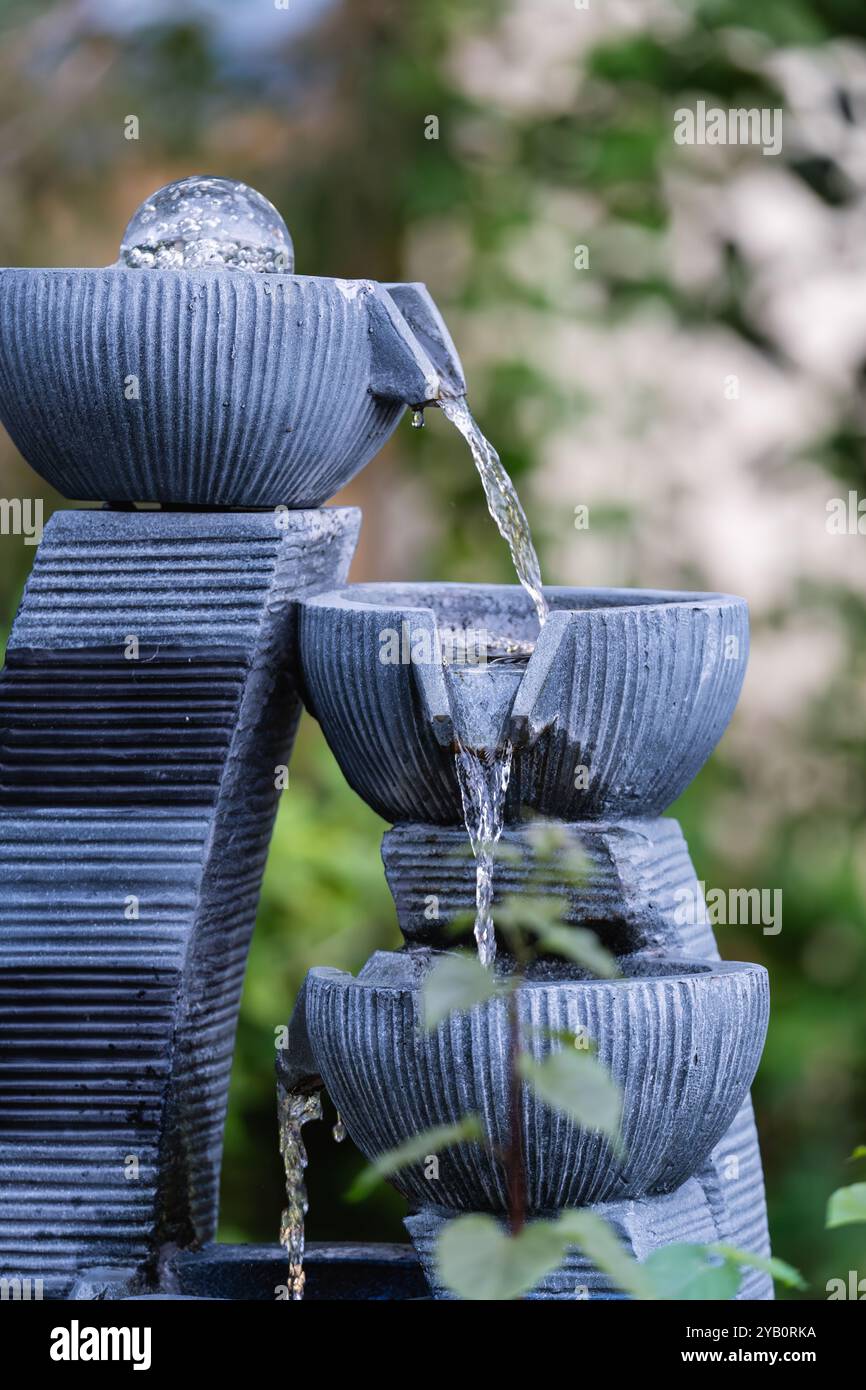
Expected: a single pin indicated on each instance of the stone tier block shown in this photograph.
(150, 693)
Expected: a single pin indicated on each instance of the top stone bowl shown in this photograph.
(623, 699)
(212, 387)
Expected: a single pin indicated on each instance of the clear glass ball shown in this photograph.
(206, 223)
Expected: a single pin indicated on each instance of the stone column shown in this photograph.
(149, 698)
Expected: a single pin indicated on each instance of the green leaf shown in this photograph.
(572, 867)
(414, 1150)
(527, 912)
(580, 945)
(847, 1205)
(481, 1262)
(554, 844)
(456, 983)
(683, 1272)
(542, 916)
(478, 1260)
(575, 1083)
(506, 853)
(779, 1270)
(859, 1152)
(600, 1244)
(460, 924)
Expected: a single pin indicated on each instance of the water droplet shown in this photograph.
(204, 223)
(418, 419)
(339, 1130)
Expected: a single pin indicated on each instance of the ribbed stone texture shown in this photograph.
(149, 695)
(640, 892)
(681, 1039)
(211, 387)
(636, 880)
(624, 698)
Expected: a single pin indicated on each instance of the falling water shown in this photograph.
(295, 1109)
(502, 501)
(484, 778)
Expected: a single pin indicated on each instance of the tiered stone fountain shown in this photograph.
(148, 707)
(150, 695)
(623, 698)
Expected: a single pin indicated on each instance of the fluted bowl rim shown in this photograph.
(385, 595)
(674, 969)
(188, 272)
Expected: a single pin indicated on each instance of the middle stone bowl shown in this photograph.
(619, 705)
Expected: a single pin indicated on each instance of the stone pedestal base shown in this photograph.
(641, 895)
(645, 1225)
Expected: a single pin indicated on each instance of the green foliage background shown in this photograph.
(326, 116)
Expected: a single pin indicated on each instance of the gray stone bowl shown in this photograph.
(211, 387)
(621, 703)
(682, 1038)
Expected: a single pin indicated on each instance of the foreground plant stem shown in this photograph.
(515, 1168)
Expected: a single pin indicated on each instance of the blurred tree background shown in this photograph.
(695, 376)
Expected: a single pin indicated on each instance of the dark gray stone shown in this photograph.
(622, 701)
(638, 873)
(634, 686)
(141, 785)
(682, 1039)
(105, 1285)
(343, 1271)
(211, 387)
(642, 1225)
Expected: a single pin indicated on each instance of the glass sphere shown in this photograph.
(205, 223)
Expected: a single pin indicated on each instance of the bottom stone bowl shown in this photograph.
(682, 1038)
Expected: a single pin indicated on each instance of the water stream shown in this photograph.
(484, 776)
(484, 779)
(502, 501)
(295, 1109)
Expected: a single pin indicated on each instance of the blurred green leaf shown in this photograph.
(602, 1246)
(847, 1206)
(580, 945)
(579, 1086)
(520, 913)
(683, 1272)
(456, 983)
(778, 1270)
(480, 1262)
(414, 1150)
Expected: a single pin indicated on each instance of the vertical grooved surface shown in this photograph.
(148, 782)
